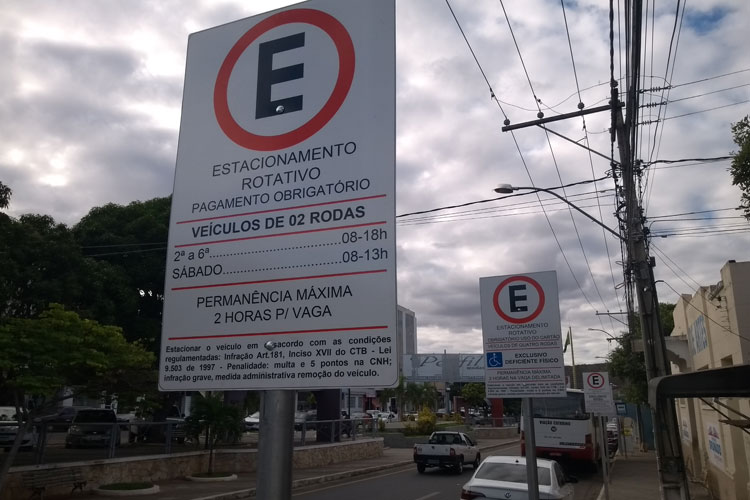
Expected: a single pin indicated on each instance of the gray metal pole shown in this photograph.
(604, 451)
(275, 445)
(532, 477)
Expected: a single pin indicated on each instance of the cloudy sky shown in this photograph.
(90, 97)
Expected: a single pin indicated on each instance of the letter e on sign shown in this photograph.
(518, 294)
(595, 380)
(267, 77)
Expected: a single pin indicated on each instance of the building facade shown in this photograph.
(712, 330)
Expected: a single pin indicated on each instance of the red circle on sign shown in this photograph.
(531, 316)
(345, 49)
(591, 375)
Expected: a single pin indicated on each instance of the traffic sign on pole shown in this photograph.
(522, 335)
(597, 394)
(281, 254)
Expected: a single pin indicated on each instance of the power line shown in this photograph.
(707, 110)
(554, 160)
(696, 212)
(700, 160)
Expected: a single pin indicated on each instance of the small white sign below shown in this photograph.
(598, 394)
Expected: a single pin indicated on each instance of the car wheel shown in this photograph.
(476, 462)
(421, 468)
(460, 465)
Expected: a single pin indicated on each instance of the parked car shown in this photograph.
(447, 450)
(505, 477)
(93, 427)
(9, 431)
(62, 418)
(252, 422)
(152, 428)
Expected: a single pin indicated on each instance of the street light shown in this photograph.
(611, 337)
(507, 188)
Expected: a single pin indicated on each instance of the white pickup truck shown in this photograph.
(447, 449)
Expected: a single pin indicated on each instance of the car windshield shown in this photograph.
(514, 473)
(95, 416)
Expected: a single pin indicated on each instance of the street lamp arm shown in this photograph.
(507, 188)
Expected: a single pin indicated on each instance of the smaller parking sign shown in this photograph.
(598, 394)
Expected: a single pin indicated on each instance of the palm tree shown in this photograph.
(414, 394)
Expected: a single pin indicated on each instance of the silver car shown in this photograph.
(504, 478)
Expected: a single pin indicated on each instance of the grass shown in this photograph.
(126, 486)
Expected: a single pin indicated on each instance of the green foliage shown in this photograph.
(381, 425)
(5, 193)
(218, 421)
(426, 421)
(740, 168)
(474, 394)
(41, 263)
(629, 365)
(39, 357)
(128, 243)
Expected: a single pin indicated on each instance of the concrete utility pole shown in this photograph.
(672, 475)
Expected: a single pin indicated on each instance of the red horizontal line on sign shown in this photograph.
(530, 348)
(352, 226)
(245, 214)
(276, 280)
(524, 368)
(535, 380)
(290, 332)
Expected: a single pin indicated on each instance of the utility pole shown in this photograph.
(672, 476)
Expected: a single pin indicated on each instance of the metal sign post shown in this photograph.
(275, 445)
(604, 451)
(532, 474)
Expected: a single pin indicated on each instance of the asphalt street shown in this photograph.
(406, 483)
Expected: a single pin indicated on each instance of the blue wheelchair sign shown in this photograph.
(494, 360)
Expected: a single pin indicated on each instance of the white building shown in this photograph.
(712, 330)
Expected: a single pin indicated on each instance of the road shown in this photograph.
(435, 484)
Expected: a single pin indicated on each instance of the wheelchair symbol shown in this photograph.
(494, 360)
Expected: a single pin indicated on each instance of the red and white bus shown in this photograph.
(563, 429)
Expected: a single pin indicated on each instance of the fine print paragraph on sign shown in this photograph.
(281, 258)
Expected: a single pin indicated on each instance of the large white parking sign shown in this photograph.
(522, 337)
(281, 261)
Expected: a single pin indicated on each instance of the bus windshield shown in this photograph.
(571, 407)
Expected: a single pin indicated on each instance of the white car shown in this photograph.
(252, 422)
(502, 477)
(9, 431)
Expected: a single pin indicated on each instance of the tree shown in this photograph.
(41, 263)
(629, 365)
(40, 357)
(740, 168)
(474, 394)
(217, 420)
(5, 193)
(130, 242)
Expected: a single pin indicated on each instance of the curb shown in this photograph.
(127, 493)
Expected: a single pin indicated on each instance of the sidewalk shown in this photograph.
(637, 476)
(244, 486)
